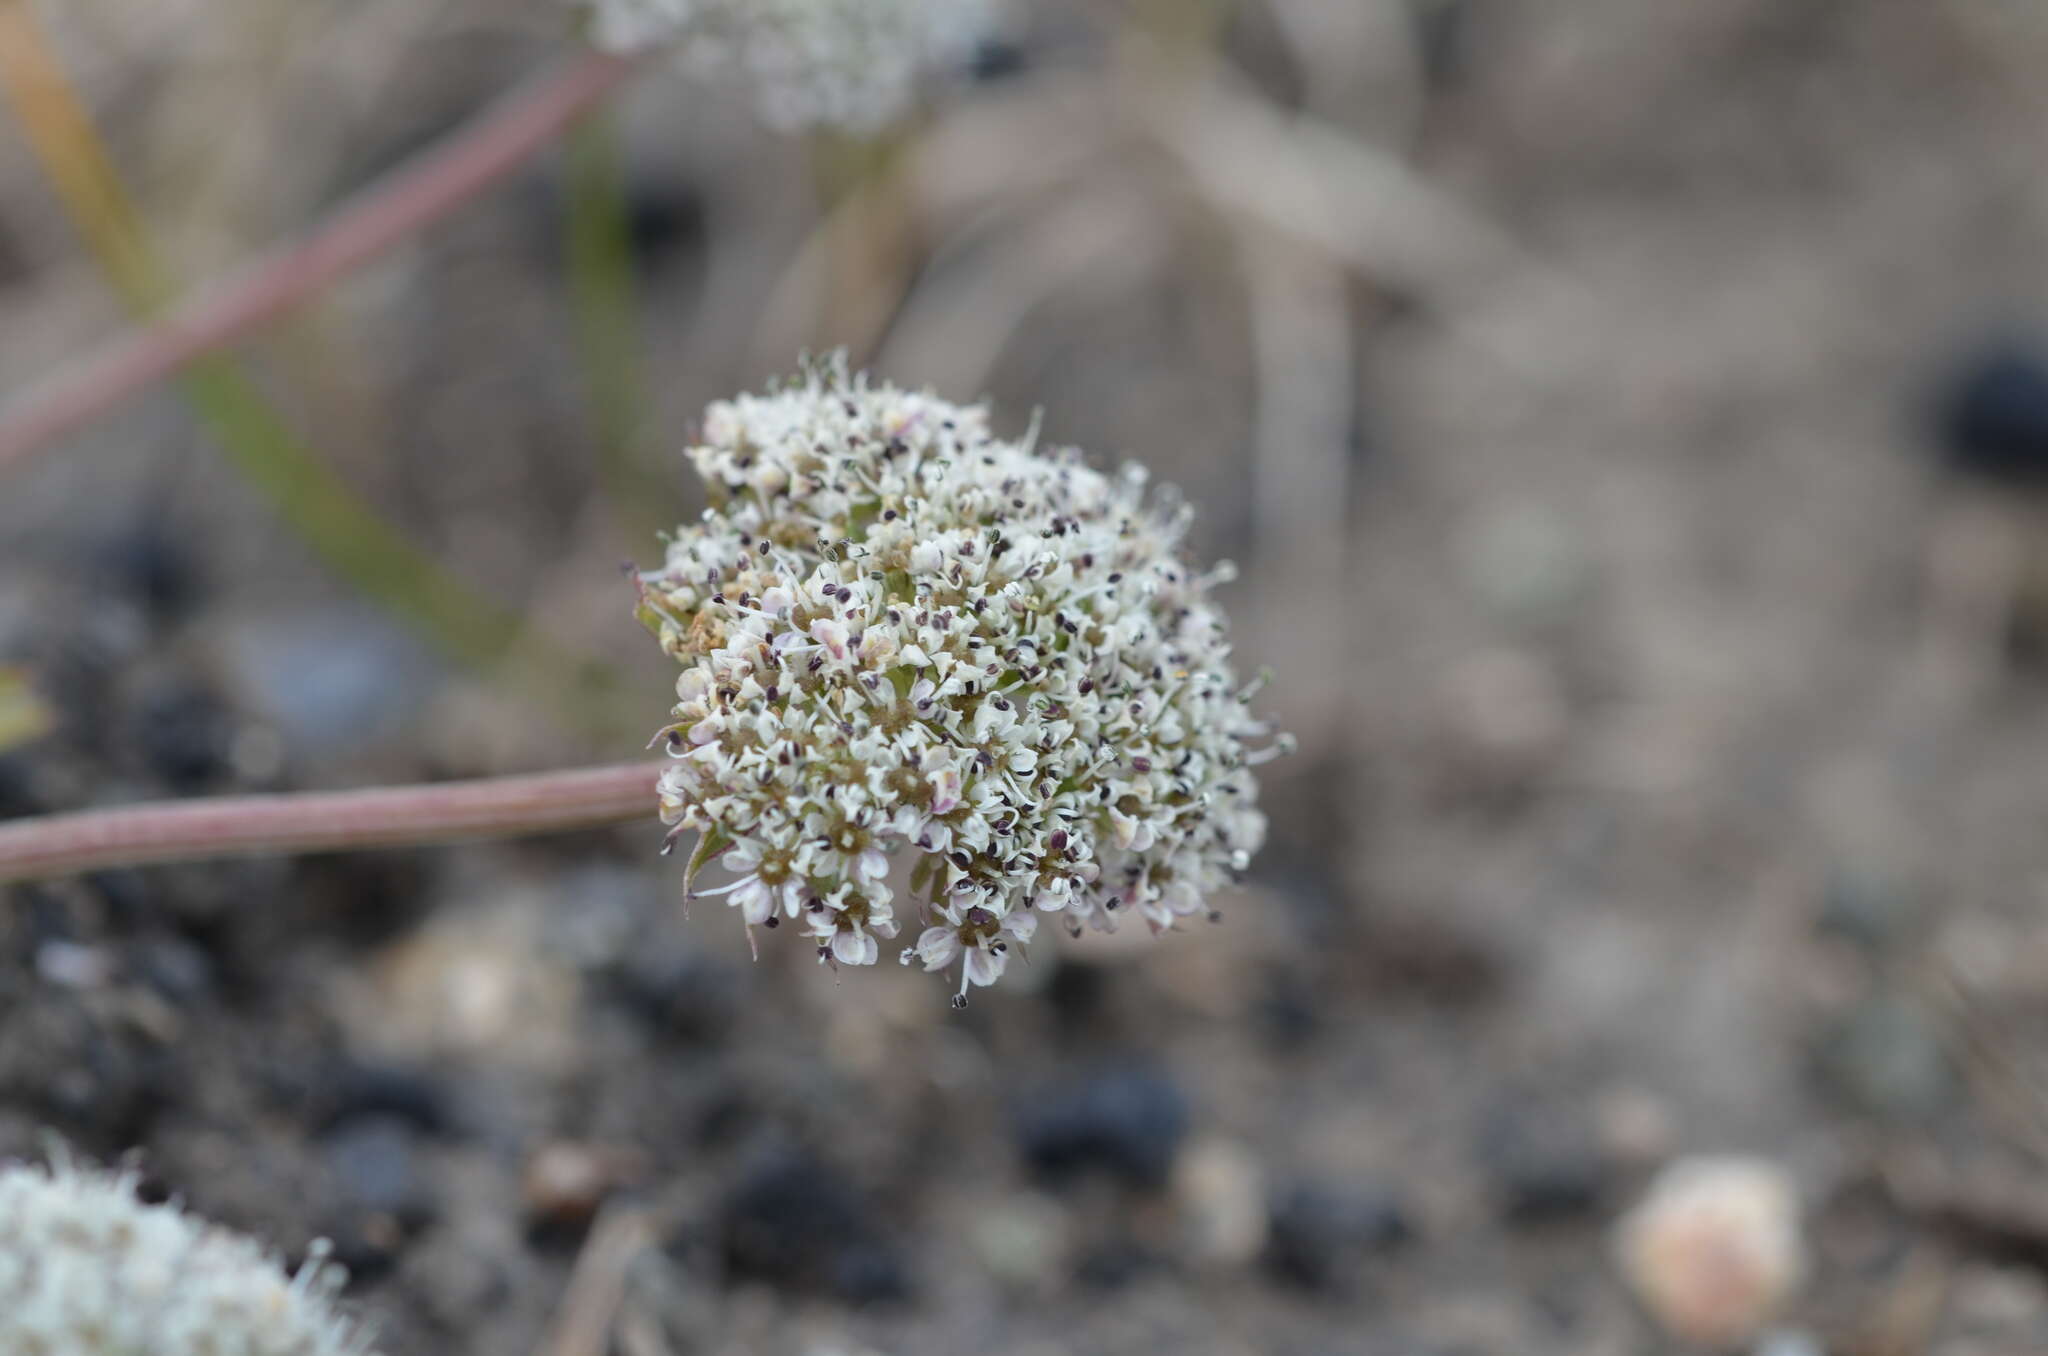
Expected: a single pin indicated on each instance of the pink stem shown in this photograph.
(326, 821)
(416, 193)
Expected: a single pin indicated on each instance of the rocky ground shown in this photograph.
(1632, 422)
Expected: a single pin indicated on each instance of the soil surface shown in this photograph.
(1631, 421)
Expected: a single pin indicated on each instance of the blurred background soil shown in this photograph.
(1631, 420)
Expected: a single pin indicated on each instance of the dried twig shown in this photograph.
(412, 196)
(325, 821)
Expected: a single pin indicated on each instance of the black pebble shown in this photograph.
(355, 1090)
(174, 967)
(793, 1221)
(664, 220)
(997, 59)
(1128, 1123)
(680, 992)
(1992, 417)
(183, 733)
(1316, 1233)
(1543, 1162)
(375, 1168)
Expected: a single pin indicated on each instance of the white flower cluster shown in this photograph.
(88, 1270)
(852, 64)
(902, 635)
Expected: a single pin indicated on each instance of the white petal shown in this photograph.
(938, 947)
(945, 790)
(984, 967)
(855, 948)
(831, 635)
(754, 900)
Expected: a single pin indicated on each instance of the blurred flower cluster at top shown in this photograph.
(850, 64)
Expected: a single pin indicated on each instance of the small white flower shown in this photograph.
(848, 924)
(930, 645)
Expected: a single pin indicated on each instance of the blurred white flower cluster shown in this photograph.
(88, 1270)
(851, 64)
(902, 634)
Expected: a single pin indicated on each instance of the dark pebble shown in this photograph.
(1128, 1123)
(149, 564)
(182, 732)
(354, 1090)
(1992, 418)
(1317, 1234)
(1543, 1163)
(375, 1168)
(680, 992)
(378, 1198)
(795, 1222)
(997, 59)
(664, 220)
(174, 967)
(1286, 1011)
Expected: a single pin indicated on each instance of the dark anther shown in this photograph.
(772, 922)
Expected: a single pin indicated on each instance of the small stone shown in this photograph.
(1319, 1234)
(1021, 1240)
(1220, 1189)
(1992, 421)
(797, 1224)
(1128, 1123)
(1544, 1162)
(679, 991)
(73, 966)
(1714, 1250)
(182, 730)
(355, 1089)
(565, 1181)
(178, 970)
(373, 1164)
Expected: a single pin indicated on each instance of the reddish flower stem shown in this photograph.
(415, 194)
(326, 821)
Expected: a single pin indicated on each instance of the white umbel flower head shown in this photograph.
(88, 1270)
(851, 64)
(903, 637)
